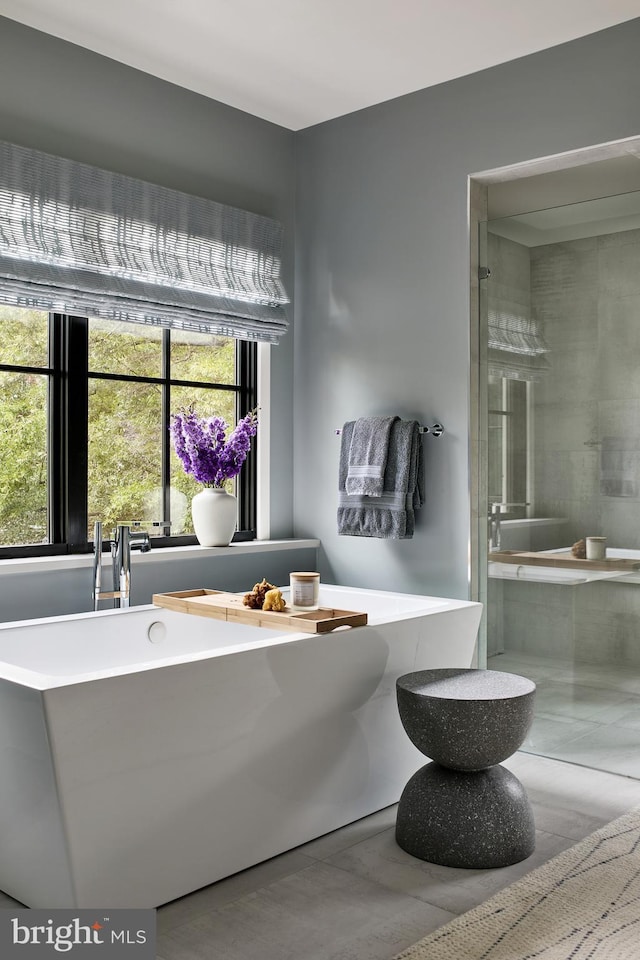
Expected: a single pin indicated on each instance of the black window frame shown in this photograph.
(68, 397)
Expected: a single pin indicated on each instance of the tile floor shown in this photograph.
(354, 895)
(586, 713)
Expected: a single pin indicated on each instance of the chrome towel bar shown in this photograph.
(436, 430)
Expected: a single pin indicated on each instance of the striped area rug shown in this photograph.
(582, 905)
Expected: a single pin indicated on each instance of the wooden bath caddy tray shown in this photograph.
(229, 606)
(562, 560)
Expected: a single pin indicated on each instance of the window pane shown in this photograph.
(495, 393)
(129, 348)
(23, 458)
(207, 403)
(508, 445)
(496, 460)
(125, 453)
(497, 434)
(24, 337)
(203, 357)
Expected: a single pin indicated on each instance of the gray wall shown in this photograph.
(62, 592)
(59, 98)
(382, 307)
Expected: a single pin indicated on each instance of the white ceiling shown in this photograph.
(592, 218)
(299, 62)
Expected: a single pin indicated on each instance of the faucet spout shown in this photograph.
(121, 546)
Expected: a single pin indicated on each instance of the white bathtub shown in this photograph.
(146, 753)
(569, 576)
(625, 554)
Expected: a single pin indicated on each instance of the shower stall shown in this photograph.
(559, 395)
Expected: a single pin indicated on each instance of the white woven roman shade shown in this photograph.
(516, 347)
(78, 239)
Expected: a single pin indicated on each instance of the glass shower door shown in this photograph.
(560, 418)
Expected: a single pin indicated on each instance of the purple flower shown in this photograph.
(204, 449)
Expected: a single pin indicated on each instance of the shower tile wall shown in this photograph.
(586, 420)
(587, 462)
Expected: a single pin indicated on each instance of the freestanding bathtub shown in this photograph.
(146, 753)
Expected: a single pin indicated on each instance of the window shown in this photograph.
(509, 445)
(84, 415)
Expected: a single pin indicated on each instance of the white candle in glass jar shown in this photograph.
(305, 590)
(596, 548)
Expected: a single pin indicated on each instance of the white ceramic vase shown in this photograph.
(214, 512)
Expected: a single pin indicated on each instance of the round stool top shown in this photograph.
(466, 684)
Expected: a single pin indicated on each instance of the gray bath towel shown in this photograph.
(391, 516)
(368, 453)
(619, 467)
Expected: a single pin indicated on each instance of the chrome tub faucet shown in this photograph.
(495, 539)
(126, 537)
(495, 514)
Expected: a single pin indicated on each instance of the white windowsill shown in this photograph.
(80, 560)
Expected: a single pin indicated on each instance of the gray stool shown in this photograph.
(463, 809)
